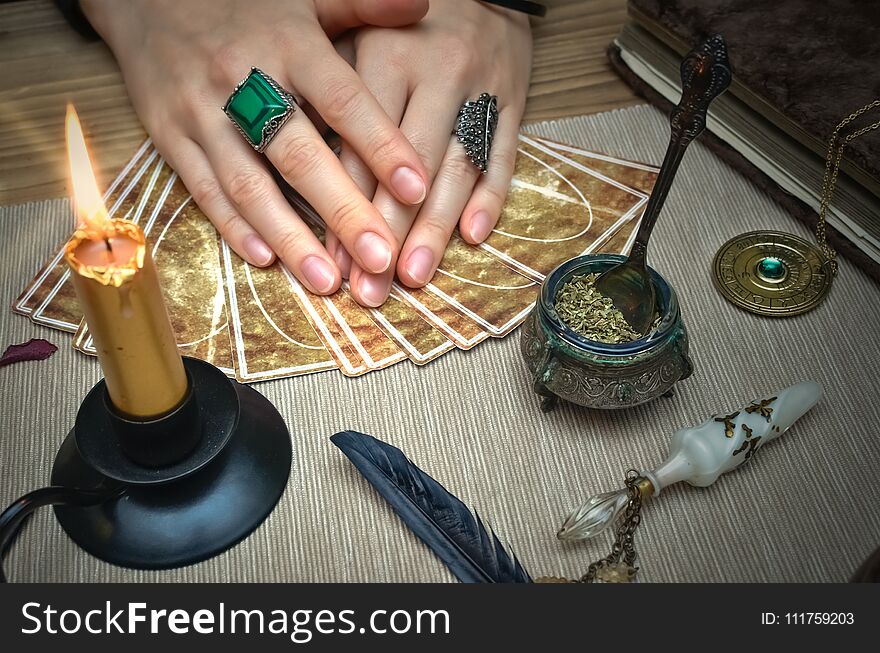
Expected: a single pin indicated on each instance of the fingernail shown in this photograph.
(373, 251)
(258, 252)
(420, 265)
(318, 273)
(481, 226)
(343, 260)
(373, 289)
(408, 185)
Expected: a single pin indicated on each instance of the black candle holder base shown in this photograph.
(193, 508)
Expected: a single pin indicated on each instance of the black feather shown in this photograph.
(457, 536)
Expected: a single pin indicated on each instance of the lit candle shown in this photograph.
(118, 291)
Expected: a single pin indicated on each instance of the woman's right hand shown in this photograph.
(182, 59)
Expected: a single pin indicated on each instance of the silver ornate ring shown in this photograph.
(258, 107)
(475, 128)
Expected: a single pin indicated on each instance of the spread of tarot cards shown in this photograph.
(261, 323)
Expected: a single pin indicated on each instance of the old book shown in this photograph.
(791, 87)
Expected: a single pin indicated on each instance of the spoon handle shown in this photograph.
(705, 74)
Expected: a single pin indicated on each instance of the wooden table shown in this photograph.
(46, 64)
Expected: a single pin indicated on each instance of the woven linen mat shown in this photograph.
(805, 509)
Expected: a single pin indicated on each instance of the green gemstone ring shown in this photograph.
(258, 107)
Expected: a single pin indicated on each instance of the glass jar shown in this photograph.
(595, 374)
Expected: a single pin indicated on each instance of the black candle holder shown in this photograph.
(183, 487)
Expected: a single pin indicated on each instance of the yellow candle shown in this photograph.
(118, 291)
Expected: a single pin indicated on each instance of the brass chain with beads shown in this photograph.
(617, 566)
(829, 180)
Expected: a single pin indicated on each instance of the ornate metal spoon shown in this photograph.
(705, 73)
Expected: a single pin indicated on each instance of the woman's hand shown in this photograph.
(182, 59)
(421, 75)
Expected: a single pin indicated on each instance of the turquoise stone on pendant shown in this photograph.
(771, 267)
(255, 103)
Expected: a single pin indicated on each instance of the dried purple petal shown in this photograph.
(35, 349)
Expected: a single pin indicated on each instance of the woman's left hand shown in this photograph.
(421, 75)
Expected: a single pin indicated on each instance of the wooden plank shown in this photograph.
(46, 64)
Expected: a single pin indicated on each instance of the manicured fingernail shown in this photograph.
(420, 265)
(343, 260)
(373, 251)
(258, 252)
(373, 289)
(408, 185)
(318, 273)
(481, 226)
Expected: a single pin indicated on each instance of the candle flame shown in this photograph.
(91, 214)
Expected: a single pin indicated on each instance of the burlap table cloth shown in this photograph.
(805, 509)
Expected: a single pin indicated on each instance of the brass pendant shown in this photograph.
(772, 273)
(618, 572)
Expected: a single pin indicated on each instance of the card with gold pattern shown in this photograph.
(557, 209)
(335, 340)
(412, 333)
(262, 324)
(635, 175)
(479, 287)
(460, 329)
(271, 336)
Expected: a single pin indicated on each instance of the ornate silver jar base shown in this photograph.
(567, 366)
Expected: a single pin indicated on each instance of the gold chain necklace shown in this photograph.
(779, 274)
(832, 167)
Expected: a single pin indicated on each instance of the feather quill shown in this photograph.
(458, 537)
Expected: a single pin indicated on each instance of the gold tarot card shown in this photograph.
(335, 340)
(479, 287)
(460, 329)
(373, 347)
(271, 335)
(415, 336)
(557, 209)
(635, 175)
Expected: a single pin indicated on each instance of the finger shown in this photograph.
(336, 17)
(256, 196)
(344, 102)
(366, 182)
(306, 163)
(193, 168)
(484, 207)
(437, 218)
(339, 254)
(390, 92)
(427, 126)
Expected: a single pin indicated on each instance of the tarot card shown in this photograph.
(460, 329)
(477, 286)
(336, 342)
(185, 250)
(403, 324)
(557, 209)
(635, 175)
(374, 347)
(640, 176)
(271, 335)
